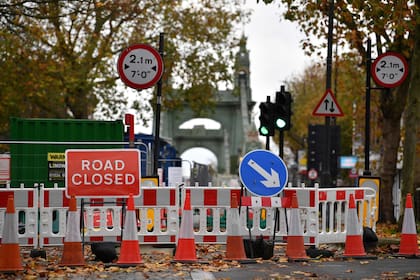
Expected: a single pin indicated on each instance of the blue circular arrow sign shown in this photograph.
(263, 173)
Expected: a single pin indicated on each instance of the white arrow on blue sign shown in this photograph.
(263, 173)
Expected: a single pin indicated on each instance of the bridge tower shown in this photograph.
(233, 110)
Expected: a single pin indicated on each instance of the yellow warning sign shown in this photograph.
(56, 156)
(373, 183)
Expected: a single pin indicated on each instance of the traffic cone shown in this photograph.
(235, 249)
(130, 249)
(10, 260)
(354, 236)
(408, 242)
(295, 248)
(185, 249)
(72, 250)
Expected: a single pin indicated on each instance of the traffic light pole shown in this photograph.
(267, 142)
(281, 144)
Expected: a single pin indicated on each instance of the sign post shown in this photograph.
(103, 172)
(140, 66)
(327, 107)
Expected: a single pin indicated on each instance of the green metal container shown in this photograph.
(44, 162)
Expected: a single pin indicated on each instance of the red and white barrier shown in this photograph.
(156, 211)
(257, 207)
(210, 205)
(322, 212)
(158, 214)
(333, 202)
(26, 203)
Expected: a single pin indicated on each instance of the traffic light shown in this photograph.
(266, 119)
(283, 110)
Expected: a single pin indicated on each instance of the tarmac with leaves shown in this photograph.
(158, 264)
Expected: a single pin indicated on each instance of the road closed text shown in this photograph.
(103, 172)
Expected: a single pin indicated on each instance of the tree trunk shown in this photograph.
(392, 106)
(391, 136)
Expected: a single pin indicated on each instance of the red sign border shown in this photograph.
(376, 61)
(159, 61)
(314, 113)
(89, 194)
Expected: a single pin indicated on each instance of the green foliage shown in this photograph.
(392, 26)
(349, 90)
(60, 56)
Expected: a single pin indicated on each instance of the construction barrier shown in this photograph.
(26, 203)
(333, 208)
(210, 206)
(322, 214)
(156, 212)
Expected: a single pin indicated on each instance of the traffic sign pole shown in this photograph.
(157, 113)
(388, 70)
(140, 66)
(326, 175)
(367, 108)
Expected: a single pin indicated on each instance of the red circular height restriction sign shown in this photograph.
(389, 69)
(140, 66)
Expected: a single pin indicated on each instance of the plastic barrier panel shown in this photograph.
(26, 204)
(333, 204)
(210, 206)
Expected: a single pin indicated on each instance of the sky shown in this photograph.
(275, 56)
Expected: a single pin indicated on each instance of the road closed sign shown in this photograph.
(99, 173)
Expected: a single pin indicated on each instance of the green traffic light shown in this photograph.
(280, 123)
(264, 130)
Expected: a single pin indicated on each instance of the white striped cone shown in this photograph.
(235, 249)
(9, 249)
(295, 249)
(408, 242)
(130, 249)
(185, 249)
(354, 235)
(72, 250)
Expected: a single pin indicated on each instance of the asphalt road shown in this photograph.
(158, 264)
(389, 268)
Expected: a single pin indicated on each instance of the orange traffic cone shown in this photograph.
(10, 260)
(408, 242)
(235, 249)
(130, 249)
(295, 248)
(72, 251)
(185, 249)
(354, 237)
